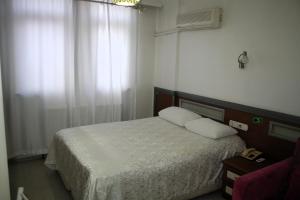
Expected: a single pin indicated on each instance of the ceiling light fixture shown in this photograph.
(126, 2)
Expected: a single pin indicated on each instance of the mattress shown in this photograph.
(147, 159)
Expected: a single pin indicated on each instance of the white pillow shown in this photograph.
(178, 115)
(210, 128)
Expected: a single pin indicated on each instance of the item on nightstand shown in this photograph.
(260, 160)
(251, 153)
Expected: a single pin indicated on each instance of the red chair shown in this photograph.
(278, 181)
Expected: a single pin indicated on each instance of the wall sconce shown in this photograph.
(243, 59)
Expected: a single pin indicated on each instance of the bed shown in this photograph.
(147, 159)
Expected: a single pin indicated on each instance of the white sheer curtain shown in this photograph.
(65, 63)
(105, 57)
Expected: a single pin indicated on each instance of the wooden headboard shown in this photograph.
(261, 123)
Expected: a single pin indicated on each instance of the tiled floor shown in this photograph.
(40, 183)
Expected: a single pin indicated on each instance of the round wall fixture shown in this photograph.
(243, 59)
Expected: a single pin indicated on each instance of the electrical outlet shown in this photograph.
(238, 125)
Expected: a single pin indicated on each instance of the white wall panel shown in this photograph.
(165, 64)
(145, 70)
(207, 59)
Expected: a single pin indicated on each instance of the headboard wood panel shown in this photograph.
(163, 98)
(257, 134)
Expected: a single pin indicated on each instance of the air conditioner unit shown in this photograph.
(209, 18)
(151, 3)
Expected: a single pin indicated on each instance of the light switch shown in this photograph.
(238, 125)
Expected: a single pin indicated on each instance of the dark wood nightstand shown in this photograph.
(235, 167)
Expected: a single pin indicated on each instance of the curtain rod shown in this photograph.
(102, 2)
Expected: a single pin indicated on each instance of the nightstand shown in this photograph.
(235, 167)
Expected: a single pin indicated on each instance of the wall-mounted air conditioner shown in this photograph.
(151, 3)
(209, 18)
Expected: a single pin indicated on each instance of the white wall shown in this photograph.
(4, 183)
(145, 61)
(205, 61)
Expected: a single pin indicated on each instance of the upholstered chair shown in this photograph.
(278, 181)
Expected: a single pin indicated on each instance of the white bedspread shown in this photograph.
(137, 160)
